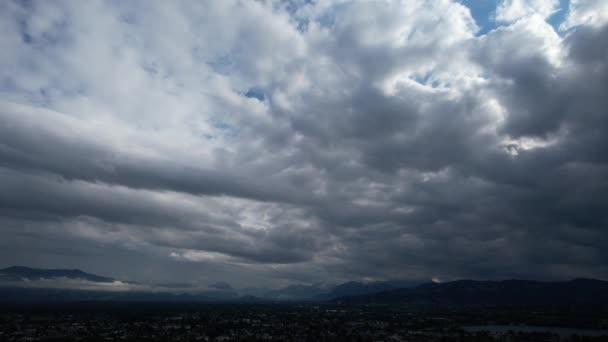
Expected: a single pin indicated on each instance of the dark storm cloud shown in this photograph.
(381, 147)
(82, 158)
(137, 216)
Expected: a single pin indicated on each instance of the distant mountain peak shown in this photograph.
(21, 273)
(221, 285)
(489, 292)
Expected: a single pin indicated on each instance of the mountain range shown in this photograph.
(19, 283)
(505, 292)
(24, 284)
(21, 273)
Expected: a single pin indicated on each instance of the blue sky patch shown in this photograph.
(483, 11)
(256, 93)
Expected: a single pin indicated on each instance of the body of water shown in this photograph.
(562, 332)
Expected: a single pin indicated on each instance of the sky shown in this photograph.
(266, 143)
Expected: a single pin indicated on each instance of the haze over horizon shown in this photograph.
(277, 142)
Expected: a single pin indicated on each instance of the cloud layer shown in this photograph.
(271, 142)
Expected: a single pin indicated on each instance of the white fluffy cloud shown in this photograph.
(512, 10)
(586, 12)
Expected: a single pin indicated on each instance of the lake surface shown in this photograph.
(562, 332)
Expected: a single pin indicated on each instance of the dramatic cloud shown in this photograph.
(273, 142)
